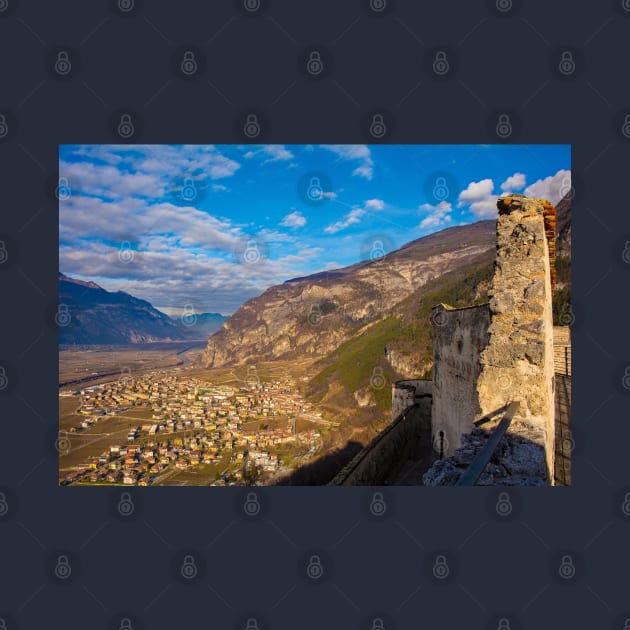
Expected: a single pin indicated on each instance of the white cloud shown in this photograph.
(438, 215)
(552, 188)
(219, 188)
(354, 152)
(354, 216)
(476, 191)
(294, 219)
(374, 204)
(271, 153)
(514, 182)
(480, 198)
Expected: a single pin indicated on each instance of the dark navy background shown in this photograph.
(123, 568)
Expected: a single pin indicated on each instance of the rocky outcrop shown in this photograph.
(517, 461)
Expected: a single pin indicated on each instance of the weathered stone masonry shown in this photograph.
(508, 354)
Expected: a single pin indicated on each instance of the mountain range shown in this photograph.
(89, 314)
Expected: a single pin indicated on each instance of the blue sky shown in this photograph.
(209, 227)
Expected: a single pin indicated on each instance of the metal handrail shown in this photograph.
(471, 475)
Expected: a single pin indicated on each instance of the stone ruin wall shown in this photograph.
(407, 393)
(487, 356)
(376, 463)
(459, 337)
(518, 363)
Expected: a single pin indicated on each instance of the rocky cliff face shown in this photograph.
(312, 316)
(563, 226)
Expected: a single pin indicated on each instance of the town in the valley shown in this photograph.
(185, 430)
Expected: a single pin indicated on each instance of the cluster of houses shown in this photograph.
(193, 423)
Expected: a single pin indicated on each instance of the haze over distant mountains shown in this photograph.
(90, 314)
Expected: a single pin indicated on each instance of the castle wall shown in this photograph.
(459, 337)
(518, 362)
(401, 441)
(405, 393)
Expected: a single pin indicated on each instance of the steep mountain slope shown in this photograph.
(316, 314)
(399, 345)
(88, 314)
(562, 293)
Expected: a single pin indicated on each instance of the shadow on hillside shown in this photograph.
(322, 470)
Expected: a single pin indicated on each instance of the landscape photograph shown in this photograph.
(292, 315)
